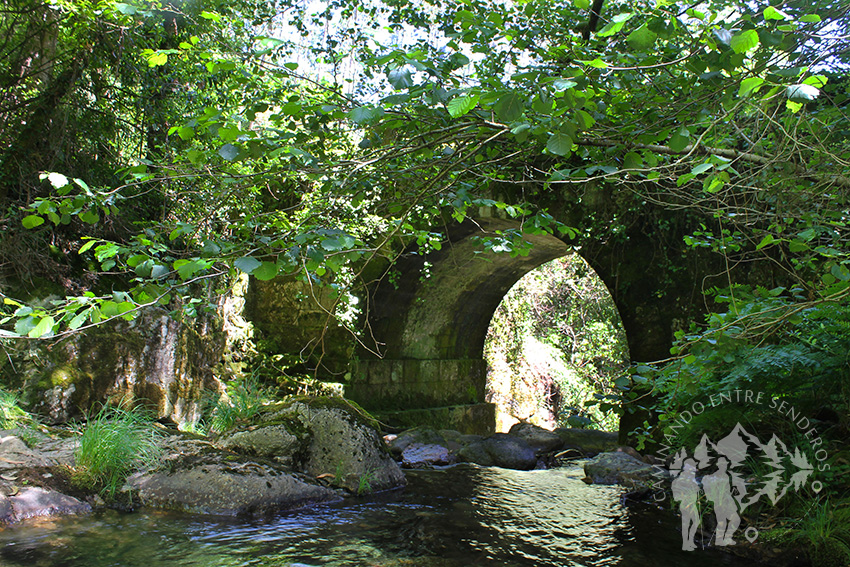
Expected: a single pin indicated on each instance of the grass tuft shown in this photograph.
(11, 415)
(115, 443)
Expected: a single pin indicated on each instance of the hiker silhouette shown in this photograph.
(718, 490)
(686, 491)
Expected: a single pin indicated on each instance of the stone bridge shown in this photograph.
(429, 321)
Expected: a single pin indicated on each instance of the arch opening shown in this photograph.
(555, 348)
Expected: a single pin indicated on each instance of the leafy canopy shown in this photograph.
(273, 138)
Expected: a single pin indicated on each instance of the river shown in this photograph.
(459, 516)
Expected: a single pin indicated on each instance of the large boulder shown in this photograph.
(623, 469)
(500, 450)
(328, 437)
(343, 440)
(543, 440)
(589, 442)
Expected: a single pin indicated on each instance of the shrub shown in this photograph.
(114, 444)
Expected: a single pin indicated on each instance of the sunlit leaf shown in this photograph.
(44, 326)
(32, 221)
(771, 13)
(462, 105)
(802, 93)
(744, 41)
(750, 85)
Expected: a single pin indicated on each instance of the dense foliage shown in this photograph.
(268, 138)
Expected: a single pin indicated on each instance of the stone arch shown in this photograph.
(430, 318)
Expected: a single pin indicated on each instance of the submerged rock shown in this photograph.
(543, 440)
(420, 455)
(218, 487)
(623, 469)
(588, 441)
(500, 450)
(33, 502)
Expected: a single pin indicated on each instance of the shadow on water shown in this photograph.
(453, 517)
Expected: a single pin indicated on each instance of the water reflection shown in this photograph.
(446, 518)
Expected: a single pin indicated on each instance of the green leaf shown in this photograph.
(766, 241)
(818, 81)
(585, 119)
(690, 359)
(229, 134)
(43, 327)
(563, 84)
(596, 63)
(750, 85)
(701, 168)
(89, 217)
(136, 259)
(841, 272)
(642, 38)
(400, 79)
(366, 114)
(744, 41)
(616, 24)
(680, 140)
(771, 13)
(157, 58)
(187, 268)
(462, 105)
(633, 160)
(78, 320)
(159, 271)
(582, 4)
(811, 19)
(266, 271)
(509, 107)
(560, 144)
(32, 221)
(246, 264)
(186, 133)
(126, 9)
(228, 152)
(24, 326)
(331, 244)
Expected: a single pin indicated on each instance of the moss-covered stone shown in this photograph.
(154, 361)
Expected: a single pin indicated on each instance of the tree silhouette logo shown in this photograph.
(716, 469)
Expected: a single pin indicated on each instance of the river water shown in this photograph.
(459, 516)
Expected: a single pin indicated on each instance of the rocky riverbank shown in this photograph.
(293, 454)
